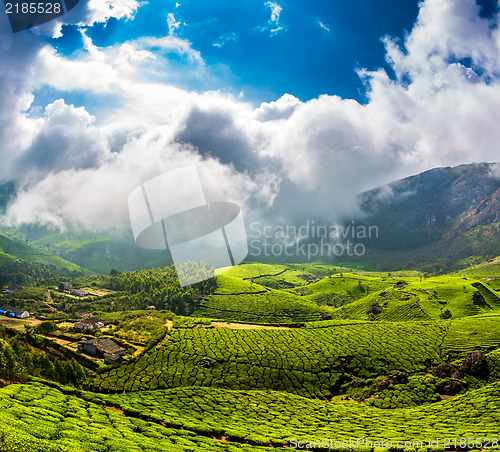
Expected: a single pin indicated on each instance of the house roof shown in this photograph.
(16, 311)
(89, 321)
(13, 287)
(105, 346)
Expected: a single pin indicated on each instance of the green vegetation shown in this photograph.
(38, 418)
(245, 301)
(188, 419)
(94, 252)
(248, 360)
(18, 360)
(313, 362)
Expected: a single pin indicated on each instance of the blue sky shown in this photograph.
(306, 49)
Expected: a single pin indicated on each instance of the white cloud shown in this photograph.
(64, 140)
(273, 25)
(173, 24)
(306, 159)
(224, 39)
(100, 11)
(172, 44)
(90, 13)
(324, 26)
(278, 109)
(275, 11)
(495, 171)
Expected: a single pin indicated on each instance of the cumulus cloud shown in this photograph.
(102, 10)
(86, 14)
(284, 159)
(16, 128)
(278, 109)
(96, 199)
(273, 25)
(65, 140)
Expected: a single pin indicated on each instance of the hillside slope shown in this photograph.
(441, 219)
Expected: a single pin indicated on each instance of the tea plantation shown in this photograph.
(270, 354)
(39, 418)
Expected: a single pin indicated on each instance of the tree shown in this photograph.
(47, 326)
(446, 314)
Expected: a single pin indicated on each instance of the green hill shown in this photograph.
(22, 264)
(357, 354)
(245, 301)
(95, 252)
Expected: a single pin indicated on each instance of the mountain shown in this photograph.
(441, 219)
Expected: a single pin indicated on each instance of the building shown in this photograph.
(10, 311)
(67, 285)
(102, 348)
(89, 323)
(13, 288)
(79, 293)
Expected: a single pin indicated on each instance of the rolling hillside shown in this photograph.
(21, 263)
(94, 252)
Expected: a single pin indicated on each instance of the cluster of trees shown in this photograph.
(18, 361)
(24, 273)
(160, 287)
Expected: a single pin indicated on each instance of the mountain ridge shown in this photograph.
(444, 215)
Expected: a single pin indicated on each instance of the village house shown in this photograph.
(13, 288)
(10, 311)
(102, 348)
(89, 323)
(67, 285)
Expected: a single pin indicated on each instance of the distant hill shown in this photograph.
(79, 249)
(92, 251)
(24, 264)
(441, 219)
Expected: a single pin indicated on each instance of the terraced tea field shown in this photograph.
(40, 418)
(244, 301)
(313, 362)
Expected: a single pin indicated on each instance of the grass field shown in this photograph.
(16, 250)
